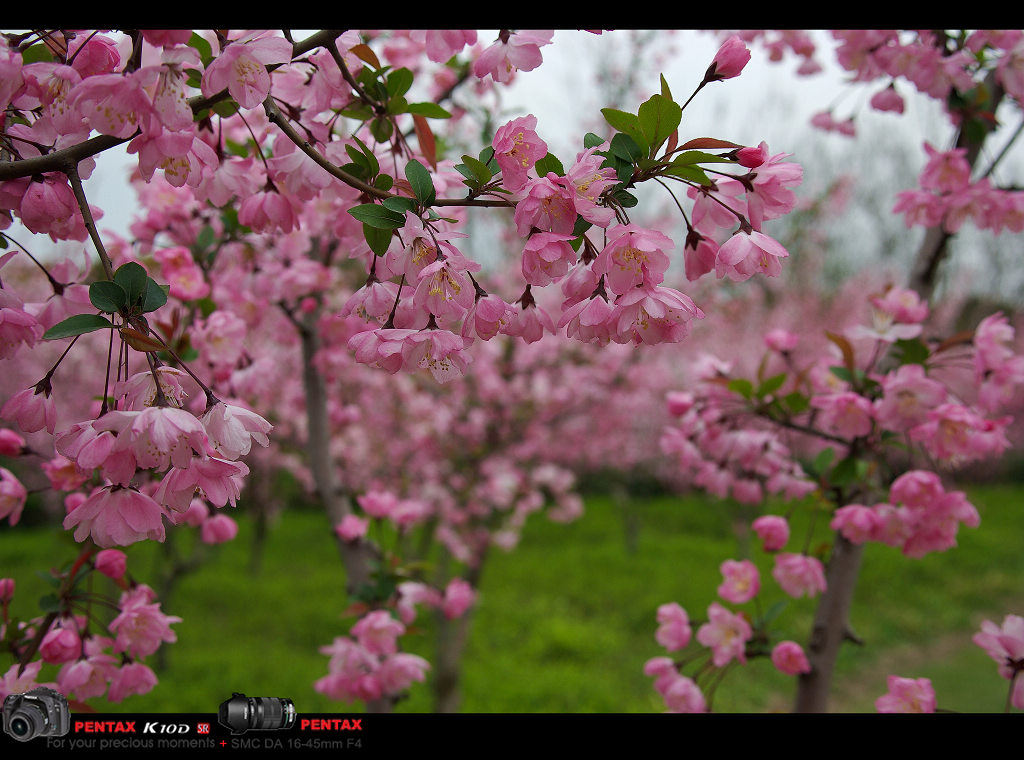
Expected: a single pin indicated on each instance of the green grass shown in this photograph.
(566, 621)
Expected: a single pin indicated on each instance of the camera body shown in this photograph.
(37, 712)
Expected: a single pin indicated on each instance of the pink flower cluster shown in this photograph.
(93, 664)
(921, 516)
(368, 665)
(948, 197)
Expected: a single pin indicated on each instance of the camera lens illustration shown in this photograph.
(241, 713)
(38, 712)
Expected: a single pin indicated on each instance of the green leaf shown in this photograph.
(358, 157)
(49, 603)
(378, 216)
(624, 198)
(156, 296)
(741, 386)
(824, 459)
(590, 140)
(356, 170)
(842, 373)
(381, 129)
(378, 239)
(371, 160)
(665, 91)
(203, 48)
(628, 124)
(205, 237)
(845, 472)
(132, 277)
(700, 157)
(399, 204)
(399, 81)
(626, 148)
(796, 401)
(359, 112)
(692, 173)
(581, 226)
(430, 110)
(771, 385)
(108, 296)
(225, 108)
(422, 184)
(80, 324)
(397, 105)
(478, 170)
(549, 163)
(659, 118)
(911, 351)
(384, 182)
(37, 54)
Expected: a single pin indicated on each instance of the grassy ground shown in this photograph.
(566, 621)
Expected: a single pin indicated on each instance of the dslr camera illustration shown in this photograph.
(38, 712)
(241, 713)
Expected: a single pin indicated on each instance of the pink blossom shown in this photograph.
(61, 644)
(674, 633)
(727, 635)
(946, 171)
(351, 528)
(115, 104)
(651, 315)
(487, 317)
(117, 516)
(512, 51)
(12, 496)
(162, 436)
(32, 409)
(799, 574)
(682, 695)
(442, 44)
(772, 530)
(11, 444)
(242, 69)
(218, 480)
(548, 205)
(781, 340)
(112, 563)
(231, 430)
(1004, 644)
(517, 147)
(6, 590)
(633, 256)
(458, 597)
(590, 181)
(134, 678)
(49, 207)
(742, 581)
(63, 474)
(887, 100)
(397, 672)
(444, 289)
(729, 61)
(699, 254)
(907, 695)
(218, 530)
(17, 327)
(141, 627)
(847, 414)
(856, 522)
(377, 632)
(908, 396)
(547, 257)
(745, 254)
(752, 157)
(789, 658)
(268, 211)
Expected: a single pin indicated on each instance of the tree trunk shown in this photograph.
(831, 626)
(357, 556)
